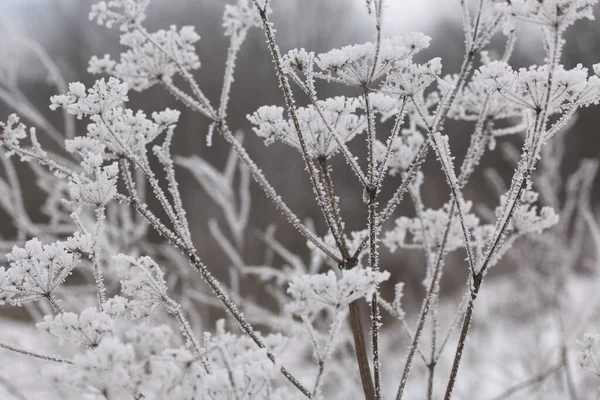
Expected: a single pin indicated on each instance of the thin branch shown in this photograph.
(35, 355)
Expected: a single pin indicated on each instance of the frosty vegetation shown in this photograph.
(129, 313)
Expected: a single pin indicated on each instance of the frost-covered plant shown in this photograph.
(133, 312)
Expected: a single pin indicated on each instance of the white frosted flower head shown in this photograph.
(429, 229)
(298, 60)
(80, 243)
(36, 270)
(98, 191)
(7, 290)
(84, 145)
(527, 217)
(409, 78)
(107, 368)
(103, 97)
(125, 132)
(240, 17)
(102, 65)
(528, 88)
(13, 131)
(116, 307)
(339, 113)
(404, 149)
(142, 280)
(551, 13)
(152, 60)
(353, 64)
(474, 96)
(311, 293)
(167, 117)
(496, 75)
(238, 359)
(128, 14)
(87, 328)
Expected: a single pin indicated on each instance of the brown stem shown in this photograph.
(361, 351)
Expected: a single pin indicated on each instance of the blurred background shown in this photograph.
(60, 29)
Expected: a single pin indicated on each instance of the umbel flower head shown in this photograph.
(96, 192)
(528, 88)
(127, 13)
(152, 57)
(312, 293)
(240, 17)
(87, 329)
(338, 114)
(429, 229)
(102, 97)
(550, 13)
(352, 65)
(143, 281)
(35, 271)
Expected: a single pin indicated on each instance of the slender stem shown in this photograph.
(54, 303)
(35, 355)
(373, 234)
(436, 276)
(338, 227)
(289, 101)
(477, 279)
(98, 276)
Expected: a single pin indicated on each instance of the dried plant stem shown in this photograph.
(361, 350)
(35, 355)
(98, 276)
